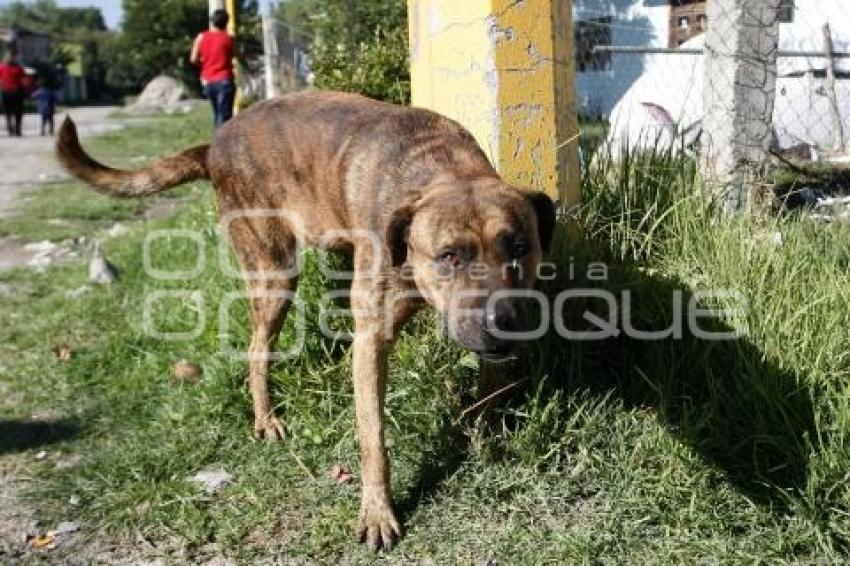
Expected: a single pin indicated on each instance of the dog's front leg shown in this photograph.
(377, 525)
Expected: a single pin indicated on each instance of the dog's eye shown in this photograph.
(449, 258)
(518, 250)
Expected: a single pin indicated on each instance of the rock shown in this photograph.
(161, 91)
(63, 528)
(117, 230)
(69, 462)
(45, 246)
(101, 271)
(40, 260)
(41, 455)
(211, 481)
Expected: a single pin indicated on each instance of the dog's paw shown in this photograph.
(269, 428)
(378, 527)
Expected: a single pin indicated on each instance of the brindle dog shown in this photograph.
(337, 166)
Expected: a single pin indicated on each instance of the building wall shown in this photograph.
(634, 22)
(33, 48)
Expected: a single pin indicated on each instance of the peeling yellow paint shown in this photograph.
(504, 69)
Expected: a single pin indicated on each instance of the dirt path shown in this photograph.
(28, 163)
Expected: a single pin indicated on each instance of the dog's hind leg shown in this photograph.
(270, 301)
(267, 251)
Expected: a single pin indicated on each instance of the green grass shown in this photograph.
(68, 210)
(618, 450)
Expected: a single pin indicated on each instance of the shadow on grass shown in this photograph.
(444, 459)
(725, 398)
(18, 435)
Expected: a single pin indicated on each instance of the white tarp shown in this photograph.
(665, 103)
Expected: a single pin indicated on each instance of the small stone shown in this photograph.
(63, 528)
(44, 246)
(41, 455)
(211, 481)
(69, 462)
(117, 230)
(40, 260)
(101, 270)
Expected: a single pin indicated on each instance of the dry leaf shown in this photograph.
(63, 352)
(185, 371)
(341, 475)
(43, 541)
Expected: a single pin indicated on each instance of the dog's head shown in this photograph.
(469, 247)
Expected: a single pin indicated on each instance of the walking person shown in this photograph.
(45, 100)
(12, 77)
(213, 50)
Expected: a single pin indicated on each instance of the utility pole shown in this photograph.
(231, 28)
(504, 69)
(270, 52)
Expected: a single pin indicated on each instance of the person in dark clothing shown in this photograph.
(45, 100)
(12, 86)
(213, 50)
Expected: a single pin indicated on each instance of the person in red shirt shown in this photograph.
(12, 78)
(213, 50)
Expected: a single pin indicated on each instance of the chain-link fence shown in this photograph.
(754, 89)
(285, 65)
(742, 84)
(289, 61)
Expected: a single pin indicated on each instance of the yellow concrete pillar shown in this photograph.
(505, 70)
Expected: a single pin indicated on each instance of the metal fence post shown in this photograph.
(270, 52)
(740, 82)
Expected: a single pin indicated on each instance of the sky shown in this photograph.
(111, 8)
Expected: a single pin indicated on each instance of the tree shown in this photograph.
(359, 46)
(82, 26)
(47, 17)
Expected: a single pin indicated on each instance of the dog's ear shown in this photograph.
(398, 229)
(544, 208)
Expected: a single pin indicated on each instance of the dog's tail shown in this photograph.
(191, 165)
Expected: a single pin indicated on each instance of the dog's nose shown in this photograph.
(502, 318)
